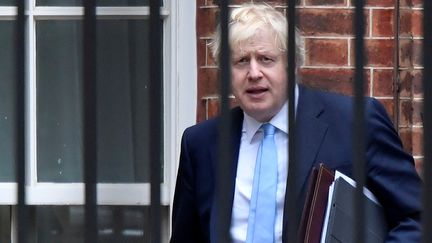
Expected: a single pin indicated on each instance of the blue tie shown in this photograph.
(262, 212)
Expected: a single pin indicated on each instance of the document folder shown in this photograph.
(316, 200)
(341, 221)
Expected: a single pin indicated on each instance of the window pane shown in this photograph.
(123, 100)
(115, 224)
(98, 2)
(59, 100)
(5, 223)
(8, 3)
(122, 52)
(7, 96)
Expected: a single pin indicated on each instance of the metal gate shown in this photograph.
(90, 170)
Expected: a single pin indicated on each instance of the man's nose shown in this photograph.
(255, 72)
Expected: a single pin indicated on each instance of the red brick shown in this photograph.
(379, 3)
(417, 3)
(405, 22)
(382, 22)
(417, 23)
(417, 108)
(201, 110)
(326, 2)
(207, 82)
(206, 21)
(417, 87)
(326, 52)
(383, 83)
(405, 3)
(213, 106)
(405, 87)
(201, 52)
(321, 22)
(406, 136)
(405, 53)
(335, 80)
(389, 106)
(417, 141)
(411, 80)
(418, 52)
(411, 22)
(410, 113)
(200, 3)
(378, 53)
(405, 113)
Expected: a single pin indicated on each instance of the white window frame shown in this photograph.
(180, 95)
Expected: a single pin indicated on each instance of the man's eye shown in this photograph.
(243, 60)
(266, 60)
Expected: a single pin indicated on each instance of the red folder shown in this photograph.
(314, 210)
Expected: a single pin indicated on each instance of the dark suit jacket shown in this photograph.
(324, 135)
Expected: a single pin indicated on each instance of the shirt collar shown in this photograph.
(280, 120)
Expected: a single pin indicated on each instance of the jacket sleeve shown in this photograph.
(185, 218)
(392, 177)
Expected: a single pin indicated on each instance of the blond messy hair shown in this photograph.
(245, 21)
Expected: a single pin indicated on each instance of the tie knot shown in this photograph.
(269, 129)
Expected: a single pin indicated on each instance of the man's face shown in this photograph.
(259, 79)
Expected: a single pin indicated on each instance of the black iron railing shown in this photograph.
(427, 123)
(156, 123)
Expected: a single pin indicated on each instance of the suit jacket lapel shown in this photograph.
(310, 132)
(236, 125)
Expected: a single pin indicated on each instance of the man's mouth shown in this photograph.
(257, 92)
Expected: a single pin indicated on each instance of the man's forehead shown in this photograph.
(255, 48)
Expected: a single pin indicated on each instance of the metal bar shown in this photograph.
(396, 78)
(358, 138)
(90, 121)
(427, 123)
(292, 206)
(225, 151)
(20, 122)
(156, 121)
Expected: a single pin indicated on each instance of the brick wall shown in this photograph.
(329, 62)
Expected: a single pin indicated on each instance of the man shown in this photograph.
(257, 38)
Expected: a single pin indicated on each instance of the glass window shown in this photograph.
(59, 100)
(122, 81)
(54, 117)
(98, 2)
(8, 3)
(7, 101)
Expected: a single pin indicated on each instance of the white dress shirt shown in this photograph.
(251, 138)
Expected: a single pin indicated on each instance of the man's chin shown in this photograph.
(261, 115)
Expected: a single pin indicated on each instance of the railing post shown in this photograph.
(292, 206)
(427, 123)
(20, 121)
(90, 116)
(225, 150)
(156, 121)
(358, 138)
